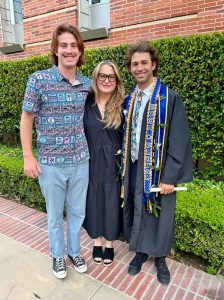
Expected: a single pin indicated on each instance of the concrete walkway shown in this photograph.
(26, 268)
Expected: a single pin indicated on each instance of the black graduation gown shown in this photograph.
(145, 232)
(103, 206)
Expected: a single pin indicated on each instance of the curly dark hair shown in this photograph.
(143, 47)
(54, 42)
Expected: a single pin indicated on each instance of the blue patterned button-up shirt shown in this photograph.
(58, 107)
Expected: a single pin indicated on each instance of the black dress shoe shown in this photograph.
(136, 263)
(163, 273)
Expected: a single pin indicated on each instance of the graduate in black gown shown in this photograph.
(103, 129)
(157, 153)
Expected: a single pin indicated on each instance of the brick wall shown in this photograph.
(153, 19)
(41, 17)
(130, 21)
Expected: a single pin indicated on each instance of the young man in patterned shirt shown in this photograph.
(55, 99)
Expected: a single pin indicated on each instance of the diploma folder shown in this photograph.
(176, 189)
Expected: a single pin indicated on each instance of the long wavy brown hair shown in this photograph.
(54, 42)
(113, 109)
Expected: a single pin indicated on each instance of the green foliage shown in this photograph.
(200, 222)
(13, 78)
(193, 65)
(13, 183)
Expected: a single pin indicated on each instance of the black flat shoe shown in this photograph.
(136, 263)
(163, 273)
(98, 255)
(108, 255)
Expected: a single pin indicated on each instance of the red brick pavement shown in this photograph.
(29, 227)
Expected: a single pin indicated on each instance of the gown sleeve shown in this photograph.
(178, 166)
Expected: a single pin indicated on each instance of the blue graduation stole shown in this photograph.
(154, 138)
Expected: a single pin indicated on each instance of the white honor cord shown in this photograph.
(176, 189)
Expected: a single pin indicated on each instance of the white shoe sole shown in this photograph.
(83, 270)
(60, 276)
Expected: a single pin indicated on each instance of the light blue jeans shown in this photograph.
(62, 186)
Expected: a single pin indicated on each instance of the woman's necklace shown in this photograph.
(102, 106)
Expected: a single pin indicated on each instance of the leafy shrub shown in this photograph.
(200, 222)
(13, 183)
(13, 78)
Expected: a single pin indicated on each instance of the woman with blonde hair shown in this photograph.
(103, 129)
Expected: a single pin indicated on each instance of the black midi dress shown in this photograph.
(103, 205)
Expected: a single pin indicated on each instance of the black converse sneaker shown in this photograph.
(79, 263)
(59, 267)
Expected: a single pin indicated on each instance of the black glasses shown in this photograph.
(103, 77)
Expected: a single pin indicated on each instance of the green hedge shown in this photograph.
(199, 213)
(200, 222)
(192, 65)
(13, 183)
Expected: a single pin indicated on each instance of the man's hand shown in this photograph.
(31, 167)
(166, 188)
